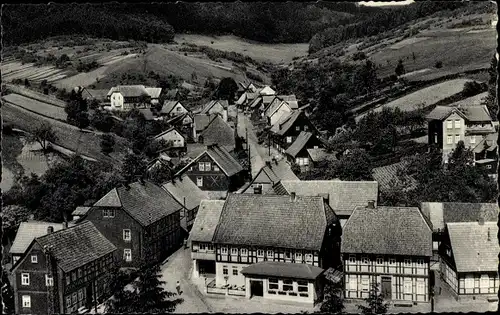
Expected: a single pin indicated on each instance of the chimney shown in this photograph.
(489, 235)
(292, 196)
(257, 190)
(65, 225)
(371, 204)
(31, 217)
(50, 229)
(480, 221)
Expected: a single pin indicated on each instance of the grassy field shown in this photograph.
(275, 53)
(424, 97)
(69, 137)
(37, 106)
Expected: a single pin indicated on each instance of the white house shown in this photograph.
(126, 97)
(173, 108)
(173, 135)
(216, 107)
(277, 112)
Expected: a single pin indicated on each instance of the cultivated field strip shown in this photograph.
(37, 107)
(36, 96)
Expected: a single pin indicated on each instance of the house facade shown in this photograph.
(486, 154)
(215, 170)
(389, 246)
(216, 107)
(174, 136)
(141, 220)
(448, 125)
(271, 263)
(173, 108)
(287, 129)
(275, 114)
(469, 254)
(126, 97)
(63, 271)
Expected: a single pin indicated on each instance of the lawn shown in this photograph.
(275, 53)
(425, 97)
(69, 137)
(37, 106)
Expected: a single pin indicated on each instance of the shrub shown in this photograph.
(439, 64)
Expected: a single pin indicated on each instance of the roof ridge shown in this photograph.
(65, 230)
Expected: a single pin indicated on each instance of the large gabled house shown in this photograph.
(288, 128)
(201, 236)
(189, 195)
(343, 196)
(126, 97)
(174, 136)
(438, 214)
(390, 246)
(448, 125)
(155, 94)
(218, 132)
(268, 176)
(62, 272)
(469, 259)
(216, 107)
(297, 152)
(297, 239)
(172, 109)
(141, 219)
(216, 171)
(280, 105)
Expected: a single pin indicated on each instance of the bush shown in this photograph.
(359, 55)
(439, 64)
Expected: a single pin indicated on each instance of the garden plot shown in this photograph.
(408, 41)
(36, 106)
(424, 97)
(10, 67)
(45, 74)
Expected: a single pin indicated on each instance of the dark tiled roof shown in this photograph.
(282, 126)
(387, 231)
(76, 246)
(442, 112)
(28, 231)
(167, 131)
(168, 106)
(472, 251)
(283, 270)
(211, 104)
(129, 90)
(441, 213)
(299, 143)
(256, 102)
(321, 154)
(147, 203)
(206, 220)
(471, 113)
(273, 173)
(201, 121)
(81, 211)
(272, 220)
(389, 175)
(344, 195)
(220, 155)
(182, 189)
(218, 132)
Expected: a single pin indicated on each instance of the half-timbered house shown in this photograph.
(469, 258)
(296, 235)
(63, 271)
(297, 152)
(141, 219)
(390, 246)
(216, 171)
(288, 128)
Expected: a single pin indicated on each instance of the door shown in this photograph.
(256, 288)
(386, 288)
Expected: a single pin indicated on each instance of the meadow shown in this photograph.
(38, 107)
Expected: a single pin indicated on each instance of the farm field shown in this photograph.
(69, 137)
(18, 89)
(36, 106)
(424, 97)
(471, 101)
(15, 70)
(275, 53)
(458, 50)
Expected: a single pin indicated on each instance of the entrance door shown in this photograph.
(386, 288)
(256, 288)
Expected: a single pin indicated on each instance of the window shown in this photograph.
(80, 272)
(484, 282)
(469, 283)
(288, 255)
(207, 166)
(216, 168)
(74, 298)
(80, 294)
(49, 281)
(269, 253)
(26, 301)
(68, 301)
(224, 270)
(127, 235)
(449, 139)
(297, 128)
(201, 166)
(408, 286)
(127, 254)
(457, 138)
(68, 279)
(365, 260)
(306, 128)
(235, 271)
(298, 256)
(288, 139)
(260, 252)
(243, 251)
(224, 250)
(472, 139)
(73, 276)
(234, 251)
(457, 124)
(436, 138)
(449, 124)
(273, 284)
(25, 279)
(199, 181)
(34, 259)
(352, 259)
(303, 286)
(365, 283)
(488, 167)
(420, 262)
(210, 247)
(420, 286)
(287, 285)
(309, 257)
(108, 213)
(407, 262)
(380, 261)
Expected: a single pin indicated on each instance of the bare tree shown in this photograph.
(43, 134)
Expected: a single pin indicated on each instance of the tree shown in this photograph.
(491, 100)
(160, 174)
(227, 89)
(353, 166)
(472, 88)
(332, 301)
(82, 120)
(134, 166)
(12, 216)
(400, 68)
(27, 83)
(375, 301)
(107, 143)
(8, 300)
(43, 134)
(144, 99)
